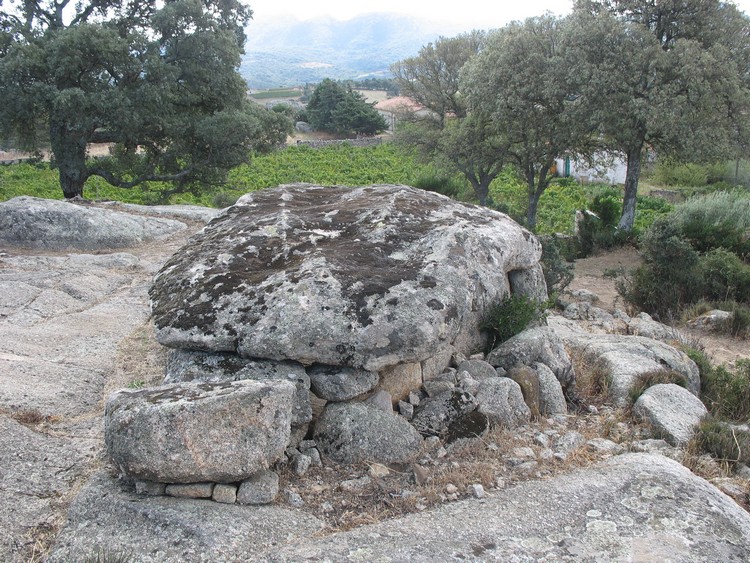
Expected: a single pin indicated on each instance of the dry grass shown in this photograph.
(139, 362)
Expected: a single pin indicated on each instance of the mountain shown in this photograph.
(284, 52)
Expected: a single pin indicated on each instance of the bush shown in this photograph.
(509, 317)
(727, 394)
(439, 182)
(558, 272)
(723, 442)
(724, 276)
(669, 172)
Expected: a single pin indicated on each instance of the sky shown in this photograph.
(466, 14)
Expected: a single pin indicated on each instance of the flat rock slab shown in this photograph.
(49, 224)
(108, 517)
(635, 507)
(194, 432)
(366, 277)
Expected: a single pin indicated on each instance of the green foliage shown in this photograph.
(434, 180)
(697, 252)
(159, 81)
(332, 107)
(511, 316)
(727, 393)
(668, 172)
(651, 378)
(723, 442)
(558, 272)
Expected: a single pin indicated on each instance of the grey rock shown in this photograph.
(301, 463)
(528, 381)
(631, 507)
(354, 432)
(604, 446)
(477, 490)
(190, 490)
(336, 383)
(711, 320)
(569, 442)
(584, 295)
(436, 414)
(436, 387)
(189, 366)
(261, 488)
(501, 400)
(477, 369)
(192, 432)
(539, 344)
(643, 325)
(59, 225)
(355, 485)
(224, 493)
(624, 358)
(293, 498)
(406, 410)
(673, 412)
(371, 276)
(150, 488)
(185, 212)
(172, 530)
(551, 397)
(381, 400)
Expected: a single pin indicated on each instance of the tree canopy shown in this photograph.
(333, 107)
(156, 79)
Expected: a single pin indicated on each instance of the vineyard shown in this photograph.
(333, 165)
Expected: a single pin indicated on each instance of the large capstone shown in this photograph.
(198, 432)
(366, 277)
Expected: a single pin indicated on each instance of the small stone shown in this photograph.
(421, 474)
(355, 485)
(431, 443)
(381, 400)
(406, 409)
(301, 463)
(261, 488)
(326, 507)
(190, 490)
(541, 440)
(291, 452)
(378, 471)
(742, 471)
(435, 387)
(226, 494)
(451, 489)
(293, 499)
(569, 442)
(453, 496)
(604, 446)
(524, 453)
(476, 357)
(414, 398)
(477, 490)
(592, 409)
(441, 452)
(314, 456)
(546, 454)
(150, 488)
(499, 483)
(305, 445)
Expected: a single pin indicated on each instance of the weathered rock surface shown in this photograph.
(551, 396)
(341, 383)
(673, 412)
(501, 401)
(538, 344)
(59, 225)
(184, 366)
(108, 517)
(188, 433)
(634, 507)
(626, 357)
(366, 277)
(357, 432)
(436, 415)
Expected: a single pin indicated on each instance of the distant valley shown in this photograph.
(285, 52)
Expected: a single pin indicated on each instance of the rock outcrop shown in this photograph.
(673, 412)
(368, 277)
(60, 225)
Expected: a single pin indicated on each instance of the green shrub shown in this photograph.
(509, 317)
(723, 442)
(724, 276)
(727, 393)
(558, 272)
(439, 182)
(669, 172)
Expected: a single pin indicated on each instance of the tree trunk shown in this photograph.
(481, 189)
(69, 151)
(627, 219)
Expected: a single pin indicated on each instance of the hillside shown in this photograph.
(285, 52)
